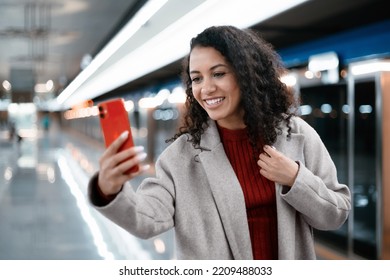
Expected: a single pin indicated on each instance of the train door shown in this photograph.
(364, 160)
(324, 107)
(349, 117)
(368, 90)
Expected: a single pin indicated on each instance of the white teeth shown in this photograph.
(213, 101)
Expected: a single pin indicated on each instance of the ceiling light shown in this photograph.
(323, 62)
(7, 85)
(369, 67)
(290, 79)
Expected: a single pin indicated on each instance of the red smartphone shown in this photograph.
(113, 121)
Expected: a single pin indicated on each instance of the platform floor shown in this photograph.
(44, 214)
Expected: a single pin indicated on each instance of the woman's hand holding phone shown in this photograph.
(121, 160)
(114, 165)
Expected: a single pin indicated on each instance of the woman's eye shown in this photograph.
(219, 74)
(195, 79)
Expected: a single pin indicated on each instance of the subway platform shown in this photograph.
(44, 213)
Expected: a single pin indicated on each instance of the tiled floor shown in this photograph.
(44, 213)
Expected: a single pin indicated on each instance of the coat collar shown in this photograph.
(227, 193)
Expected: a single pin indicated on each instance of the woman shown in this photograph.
(244, 178)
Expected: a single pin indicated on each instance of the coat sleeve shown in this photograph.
(146, 212)
(316, 194)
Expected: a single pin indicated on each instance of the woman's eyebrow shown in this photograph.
(218, 65)
(211, 68)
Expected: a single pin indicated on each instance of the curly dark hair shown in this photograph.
(266, 100)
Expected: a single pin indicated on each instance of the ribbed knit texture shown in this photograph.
(258, 191)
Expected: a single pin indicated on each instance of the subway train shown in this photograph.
(343, 82)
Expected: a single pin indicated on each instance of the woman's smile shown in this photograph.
(214, 102)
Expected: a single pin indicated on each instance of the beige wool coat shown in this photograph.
(196, 192)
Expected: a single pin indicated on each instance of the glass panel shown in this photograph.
(365, 187)
(324, 108)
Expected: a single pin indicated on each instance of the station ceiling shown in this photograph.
(54, 39)
(310, 21)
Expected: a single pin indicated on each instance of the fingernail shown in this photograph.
(139, 148)
(145, 167)
(142, 156)
(124, 134)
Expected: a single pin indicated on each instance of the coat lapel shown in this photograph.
(292, 148)
(227, 194)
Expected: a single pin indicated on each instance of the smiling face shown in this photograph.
(215, 87)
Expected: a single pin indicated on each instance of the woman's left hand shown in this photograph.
(276, 167)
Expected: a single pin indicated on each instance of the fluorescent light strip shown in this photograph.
(173, 42)
(84, 210)
(126, 244)
(370, 67)
(144, 14)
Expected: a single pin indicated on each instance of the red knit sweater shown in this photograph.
(259, 193)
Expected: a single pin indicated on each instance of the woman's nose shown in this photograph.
(207, 87)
